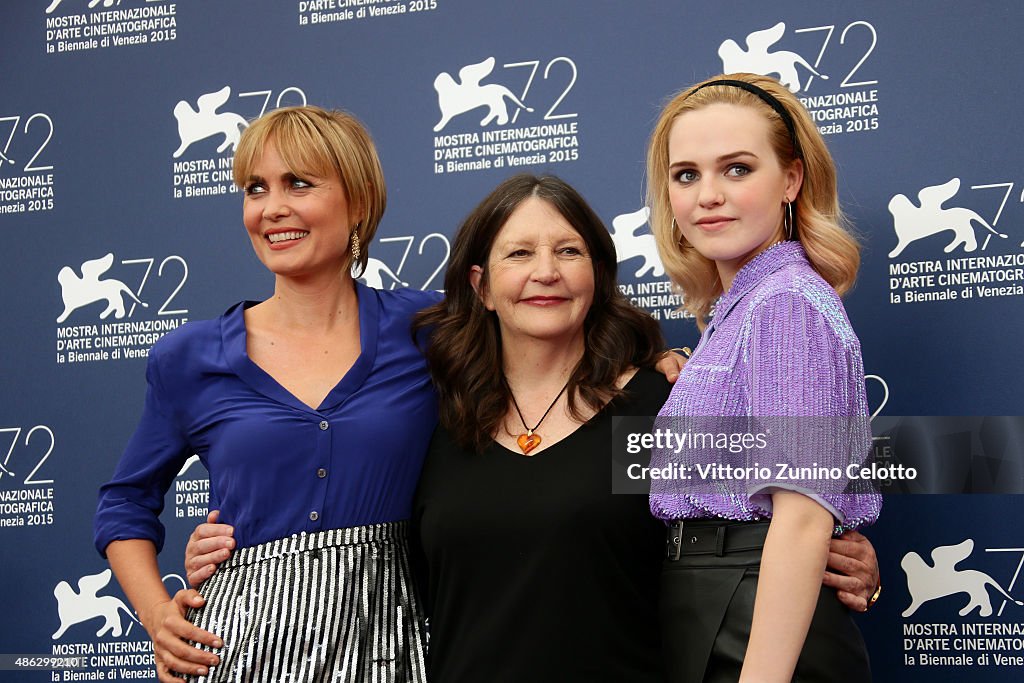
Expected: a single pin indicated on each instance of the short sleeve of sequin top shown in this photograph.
(805, 376)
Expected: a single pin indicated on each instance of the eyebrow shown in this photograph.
(505, 244)
(286, 175)
(724, 157)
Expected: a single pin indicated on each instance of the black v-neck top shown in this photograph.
(534, 570)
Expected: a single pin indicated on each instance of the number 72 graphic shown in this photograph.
(13, 451)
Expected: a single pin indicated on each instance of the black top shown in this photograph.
(535, 570)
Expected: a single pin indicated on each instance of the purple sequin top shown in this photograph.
(779, 357)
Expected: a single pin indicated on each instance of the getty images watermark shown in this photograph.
(838, 455)
(699, 445)
(722, 455)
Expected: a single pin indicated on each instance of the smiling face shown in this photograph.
(726, 187)
(299, 225)
(540, 277)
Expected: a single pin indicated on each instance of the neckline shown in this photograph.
(505, 450)
(234, 337)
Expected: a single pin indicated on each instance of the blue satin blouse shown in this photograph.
(278, 467)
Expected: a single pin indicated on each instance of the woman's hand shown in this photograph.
(134, 564)
(671, 363)
(209, 545)
(169, 630)
(854, 570)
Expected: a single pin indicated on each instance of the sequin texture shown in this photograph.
(335, 606)
(780, 351)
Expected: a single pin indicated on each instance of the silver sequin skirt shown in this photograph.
(336, 606)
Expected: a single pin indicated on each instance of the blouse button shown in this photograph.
(314, 515)
(321, 473)
(324, 425)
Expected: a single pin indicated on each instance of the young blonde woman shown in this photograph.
(745, 212)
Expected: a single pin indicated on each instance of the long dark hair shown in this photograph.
(464, 351)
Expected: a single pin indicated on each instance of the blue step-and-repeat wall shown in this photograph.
(118, 120)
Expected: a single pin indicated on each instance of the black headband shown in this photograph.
(768, 99)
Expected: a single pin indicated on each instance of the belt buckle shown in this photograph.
(674, 542)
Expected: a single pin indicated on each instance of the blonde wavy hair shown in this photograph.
(315, 141)
(819, 223)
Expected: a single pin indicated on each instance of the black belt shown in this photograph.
(692, 537)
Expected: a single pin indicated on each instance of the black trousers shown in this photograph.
(707, 604)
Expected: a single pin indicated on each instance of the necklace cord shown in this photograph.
(529, 430)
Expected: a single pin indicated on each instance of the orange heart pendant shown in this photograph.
(527, 442)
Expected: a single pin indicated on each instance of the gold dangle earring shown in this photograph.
(354, 244)
(356, 253)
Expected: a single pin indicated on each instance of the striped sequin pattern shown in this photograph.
(334, 606)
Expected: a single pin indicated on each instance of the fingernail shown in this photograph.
(201, 670)
(218, 643)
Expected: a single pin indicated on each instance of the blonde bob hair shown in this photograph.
(817, 220)
(315, 141)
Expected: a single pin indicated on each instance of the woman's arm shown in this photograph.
(792, 563)
(830, 382)
(134, 564)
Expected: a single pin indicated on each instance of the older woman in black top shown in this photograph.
(535, 570)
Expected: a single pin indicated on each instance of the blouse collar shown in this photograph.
(233, 335)
(756, 270)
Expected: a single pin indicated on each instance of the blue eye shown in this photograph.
(686, 176)
(255, 188)
(738, 170)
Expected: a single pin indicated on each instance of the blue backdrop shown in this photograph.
(117, 124)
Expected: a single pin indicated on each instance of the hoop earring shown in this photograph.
(787, 220)
(681, 241)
